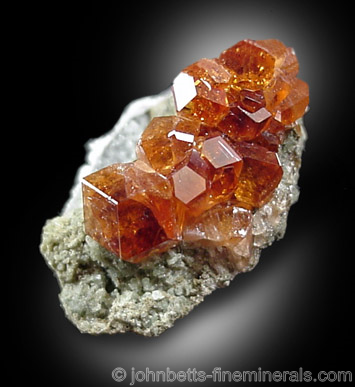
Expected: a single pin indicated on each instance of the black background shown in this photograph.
(81, 64)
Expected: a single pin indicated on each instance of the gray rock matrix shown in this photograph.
(103, 294)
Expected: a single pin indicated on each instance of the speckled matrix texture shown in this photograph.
(103, 294)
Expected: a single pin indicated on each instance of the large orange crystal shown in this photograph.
(206, 94)
(242, 125)
(201, 173)
(166, 142)
(255, 62)
(128, 209)
(260, 175)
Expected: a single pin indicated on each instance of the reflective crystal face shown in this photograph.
(241, 125)
(184, 90)
(188, 184)
(219, 153)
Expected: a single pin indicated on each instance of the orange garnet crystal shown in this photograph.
(201, 173)
(128, 210)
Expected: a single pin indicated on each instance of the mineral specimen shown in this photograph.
(219, 197)
(217, 149)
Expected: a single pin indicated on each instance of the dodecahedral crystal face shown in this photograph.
(219, 153)
(201, 173)
(188, 184)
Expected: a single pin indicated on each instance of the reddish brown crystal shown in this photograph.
(218, 152)
(265, 80)
(255, 61)
(167, 141)
(269, 140)
(126, 216)
(294, 106)
(145, 185)
(199, 174)
(198, 185)
(259, 177)
(100, 206)
(241, 125)
(210, 102)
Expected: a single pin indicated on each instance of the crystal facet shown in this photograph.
(186, 177)
(184, 90)
(219, 153)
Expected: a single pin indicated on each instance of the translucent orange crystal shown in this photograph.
(129, 218)
(219, 225)
(225, 226)
(203, 180)
(201, 173)
(251, 84)
(260, 175)
(206, 98)
(242, 125)
(166, 141)
(256, 61)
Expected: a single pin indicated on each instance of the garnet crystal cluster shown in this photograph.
(200, 174)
